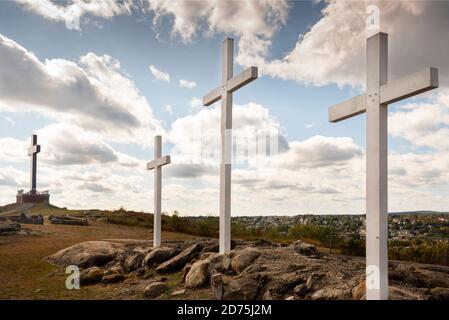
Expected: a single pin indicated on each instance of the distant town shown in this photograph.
(402, 225)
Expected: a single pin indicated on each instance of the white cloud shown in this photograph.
(159, 75)
(64, 144)
(68, 145)
(254, 22)
(59, 11)
(333, 50)
(418, 170)
(195, 102)
(11, 177)
(189, 171)
(169, 109)
(309, 125)
(319, 151)
(187, 84)
(316, 175)
(13, 150)
(259, 19)
(423, 124)
(96, 187)
(197, 137)
(92, 94)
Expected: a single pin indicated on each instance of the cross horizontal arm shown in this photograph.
(409, 86)
(242, 79)
(212, 97)
(393, 91)
(34, 149)
(233, 84)
(347, 109)
(162, 161)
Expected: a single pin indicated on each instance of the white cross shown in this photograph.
(33, 150)
(229, 84)
(157, 164)
(379, 93)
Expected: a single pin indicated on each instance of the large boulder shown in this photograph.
(114, 269)
(91, 276)
(133, 262)
(87, 254)
(316, 281)
(185, 271)
(432, 279)
(181, 259)
(198, 274)
(440, 293)
(301, 290)
(155, 289)
(280, 285)
(331, 294)
(265, 243)
(241, 289)
(9, 227)
(304, 249)
(244, 258)
(213, 246)
(358, 292)
(158, 255)
(406, 274)
(244, 288)
(216, 284)
(421, 277)
(112, 278)
(395, 293)
(201, 271)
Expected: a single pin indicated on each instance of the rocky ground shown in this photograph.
(8, 228)
(261, 270)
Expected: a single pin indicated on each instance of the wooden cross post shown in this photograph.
(379, 93)
(229, 84)
(157, 164)
(33, 150)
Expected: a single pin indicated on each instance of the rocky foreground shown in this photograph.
(261, 270)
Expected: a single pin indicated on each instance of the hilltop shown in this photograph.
(277, 270)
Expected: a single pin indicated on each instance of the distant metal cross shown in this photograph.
(157, 164)
(229, 84)
(379, 93)
(33, 150)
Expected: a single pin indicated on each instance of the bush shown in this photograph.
(420, 250)
(353, 247)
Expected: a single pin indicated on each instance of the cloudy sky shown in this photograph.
(97, 92)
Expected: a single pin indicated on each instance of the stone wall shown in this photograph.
(33, 198)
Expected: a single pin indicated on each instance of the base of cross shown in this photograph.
(32, 197)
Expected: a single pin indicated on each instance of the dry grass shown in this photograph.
(25, 275)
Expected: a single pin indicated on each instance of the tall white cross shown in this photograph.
(379, 93)
(229, 84)
(157, 164)
(33, 150)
